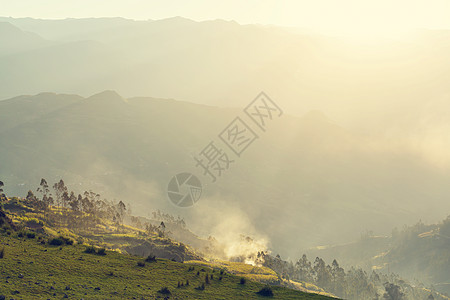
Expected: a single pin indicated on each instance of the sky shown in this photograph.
(351, 16)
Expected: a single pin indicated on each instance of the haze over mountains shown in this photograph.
(363, 144)
(288, 189)
(226, 64)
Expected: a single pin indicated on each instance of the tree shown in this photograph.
(393, 292)
(2, 195)
(88, 202)
(30, 196)
(79, 202)
(43, 188)
(304, 269)
(121, 208)
(161, 229)
(33, 200)
(73, 202)
(338, 277)
(47, 199)
(322, 272)
(60, 192)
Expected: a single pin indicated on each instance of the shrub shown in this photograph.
(56, 242)
(200, 287)
(68, 241)
(31, 235)
(242, 281)
(101, 251)
(150, 258)
(266, 291)
(60, 241)
(141, 264)
(165, 291)
(93, 250)
(2, 253)
(89, 249)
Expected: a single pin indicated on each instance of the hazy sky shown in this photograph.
(351, 16)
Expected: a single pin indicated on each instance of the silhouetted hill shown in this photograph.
(25, 109)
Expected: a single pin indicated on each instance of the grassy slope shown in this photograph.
(117, 275)
(106, 236)
(260, 274)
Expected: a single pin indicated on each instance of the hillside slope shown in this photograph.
(48, 252)
(34, 271)
(418, 252)
(311, 173)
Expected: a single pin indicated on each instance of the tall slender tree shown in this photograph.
(60, 189)
(2, 194)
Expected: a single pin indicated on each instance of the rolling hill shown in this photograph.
(417, 252)
(35, 267)
(312, 174)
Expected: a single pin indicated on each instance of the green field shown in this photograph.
(31, 270)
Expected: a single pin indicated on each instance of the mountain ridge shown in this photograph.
(132, 149)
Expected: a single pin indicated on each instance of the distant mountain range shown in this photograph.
(224, 63)
(15, 41)
(300, 182)
(362, 144)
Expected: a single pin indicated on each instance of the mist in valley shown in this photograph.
(359, 154)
